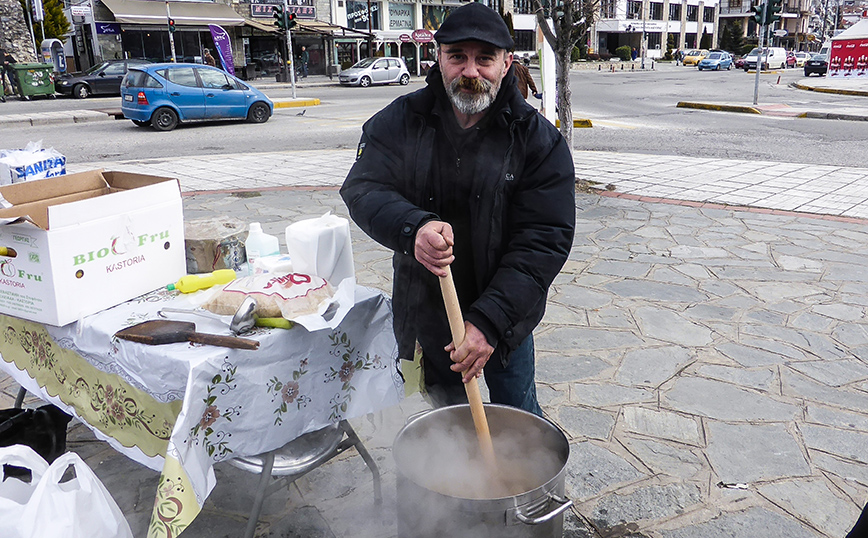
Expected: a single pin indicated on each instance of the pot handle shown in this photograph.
(533, 517)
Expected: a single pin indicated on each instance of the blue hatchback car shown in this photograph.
(716, 60)
(164, 95)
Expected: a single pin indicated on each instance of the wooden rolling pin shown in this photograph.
(456, 324)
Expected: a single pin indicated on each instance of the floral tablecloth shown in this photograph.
(181, 408)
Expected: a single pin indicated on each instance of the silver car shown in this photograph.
(376, 71)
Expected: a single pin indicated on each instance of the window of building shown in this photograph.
(674, 12)
(656, 11)
(607, 9)
(653, 40)
(523, 7)
(692, 12)
(525, 40)
(634, 9)
(401, 17)
(708, 14)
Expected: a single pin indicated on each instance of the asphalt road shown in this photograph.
(631, 112)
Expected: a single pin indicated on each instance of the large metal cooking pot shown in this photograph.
(433, 447)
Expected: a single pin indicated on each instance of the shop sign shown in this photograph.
(108, 28)
(423, 36)
(263, 9)
(401, 16)
(357, 15)
(404, 38)
(79, 11)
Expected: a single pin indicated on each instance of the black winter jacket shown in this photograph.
(522, 209)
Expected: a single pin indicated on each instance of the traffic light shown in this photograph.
(290, 17)
(279, 17)
(758, 13)
(172, 26)
(774, 10)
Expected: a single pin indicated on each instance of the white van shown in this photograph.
(772, 58)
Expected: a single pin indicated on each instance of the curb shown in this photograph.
(723, 108)
(857, 93)
(833, 116)
(295, 103)
(577, 123)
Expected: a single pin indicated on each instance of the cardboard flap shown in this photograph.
(47, 203)
(54, 187)
(37, 211)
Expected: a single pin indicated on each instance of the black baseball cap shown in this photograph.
(475, 22)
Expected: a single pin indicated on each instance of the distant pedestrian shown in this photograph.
(676, 55)
(8, 76)
(633, 54)
(523, 79)
(208, 59)
(304, 58)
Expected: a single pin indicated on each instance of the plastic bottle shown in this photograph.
(191, 283)
(259, 244)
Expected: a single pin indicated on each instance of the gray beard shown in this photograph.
(472, 103)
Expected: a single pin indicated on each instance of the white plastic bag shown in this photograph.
(32, 162)
(15, 493)
(321, 247)
(78, 508)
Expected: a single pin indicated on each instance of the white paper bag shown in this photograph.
(78, 508)
(321, 247)
(15, 493)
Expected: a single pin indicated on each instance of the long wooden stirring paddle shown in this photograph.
(456, 324)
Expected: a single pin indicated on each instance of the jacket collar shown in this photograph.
(508, 106)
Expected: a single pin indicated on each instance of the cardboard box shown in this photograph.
(86, 242)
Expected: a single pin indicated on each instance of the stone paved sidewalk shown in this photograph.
(707, 364)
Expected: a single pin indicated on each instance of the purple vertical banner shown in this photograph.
(224, 47)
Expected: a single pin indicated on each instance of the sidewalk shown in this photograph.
(707, 361)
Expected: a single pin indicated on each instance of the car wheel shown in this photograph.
(141, 123)
(258, 113)
(164, 119)
(729, 67)
(364, 82)
(80, 91)
(718, 67)
(405, 79)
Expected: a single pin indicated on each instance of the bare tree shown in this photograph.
(571, 20)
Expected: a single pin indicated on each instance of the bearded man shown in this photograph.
(465, 173)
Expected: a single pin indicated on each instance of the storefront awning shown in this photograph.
(261, 26)
(184, 13)
(328, 29)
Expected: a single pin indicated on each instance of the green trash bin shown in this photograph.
(34, 79)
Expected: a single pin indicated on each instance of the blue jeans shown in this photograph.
(513, 385)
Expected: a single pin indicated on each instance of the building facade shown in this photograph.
(795, 23)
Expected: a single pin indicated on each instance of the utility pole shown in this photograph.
(171, 27)
(759, 57)
(644, 44)
(289, 47)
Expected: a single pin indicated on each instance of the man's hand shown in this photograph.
(471, 355)
(433, 247)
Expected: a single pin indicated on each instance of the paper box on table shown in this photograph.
(86, 242)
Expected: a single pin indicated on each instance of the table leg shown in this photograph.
(19, 400)
(264, 479)
(369, 461)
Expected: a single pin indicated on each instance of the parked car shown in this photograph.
(101, 79)
(693, 56)
(739, 62)
(375, 71)
(791, 59)
(163, 95)
(716, 60)
(801, 58)
(772, 57)
(819, 64)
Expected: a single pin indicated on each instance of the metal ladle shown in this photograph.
(242, 321)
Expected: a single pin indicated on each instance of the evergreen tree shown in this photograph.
(54, 25)
(732, 38)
